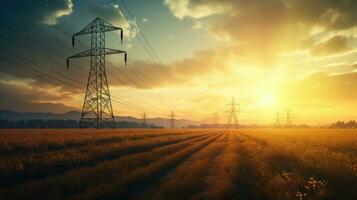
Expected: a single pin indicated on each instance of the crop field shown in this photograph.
(247, 164)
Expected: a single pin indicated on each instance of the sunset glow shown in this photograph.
(270, 55)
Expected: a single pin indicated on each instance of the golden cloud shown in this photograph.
(335, 45)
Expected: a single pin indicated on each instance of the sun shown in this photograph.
(267, 99)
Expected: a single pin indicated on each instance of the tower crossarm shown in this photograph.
(89, 53)
(104, 27)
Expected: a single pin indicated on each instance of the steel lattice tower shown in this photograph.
(144, 120)
(97, 108)
(215, 119)
(288, 122)
(277, 121)
(232, 111)
(172, 119)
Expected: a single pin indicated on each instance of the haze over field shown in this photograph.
(271, 55)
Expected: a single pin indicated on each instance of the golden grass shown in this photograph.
(249, 164)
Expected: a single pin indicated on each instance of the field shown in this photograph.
(247, 164)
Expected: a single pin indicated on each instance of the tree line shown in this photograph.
(40, 123)
(344, 125)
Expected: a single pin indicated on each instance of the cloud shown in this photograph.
(19, 96)
(113, 14)
(197, 24)
(200, 66)
(321, 97)
(323, 88)
(335, 45)
(145, 20)
(187, 8)
(31, 11)
(63, 8)
(333, 14)
(29, 42)
(269, 27)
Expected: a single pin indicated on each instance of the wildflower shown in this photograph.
(300, 195)
(19, 166)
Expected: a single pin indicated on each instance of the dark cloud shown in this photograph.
(20, 96)
(332, 14)
(335, 45)
(35, 42)
(32, 48)
(28, 15)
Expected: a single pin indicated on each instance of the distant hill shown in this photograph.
(75, 115)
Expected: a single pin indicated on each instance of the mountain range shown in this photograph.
(75, 115)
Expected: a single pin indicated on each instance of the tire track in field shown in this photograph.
(220, 182)
(213, 178)
(53, 146)
(251, 176)
(79, 180)
(211, 150)
(61, 166)
(143, 177)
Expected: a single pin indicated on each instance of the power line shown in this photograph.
(144, 37)
(51, 78)
(48, 50)
(50, 70)
(126, 12)
(134, 72)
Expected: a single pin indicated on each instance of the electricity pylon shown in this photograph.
(172, 119)
(232, 111)
(215, 119)
(97, 107)
(144, 120)
(277, 121)
(288, 122)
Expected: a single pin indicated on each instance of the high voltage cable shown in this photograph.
(53, 77)
(63, 32)
(142, 44)
(133, 70)
(144, 37)
(133, 80)
(61, 43)
(124, 12)
(50, 70)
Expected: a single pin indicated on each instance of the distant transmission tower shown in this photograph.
(288, 122)
(232, 115)
(215, 119)
(277, 121)
(144, 120)
(97, 107)
(172, 119)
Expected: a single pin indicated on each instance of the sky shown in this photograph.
(190, 56)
